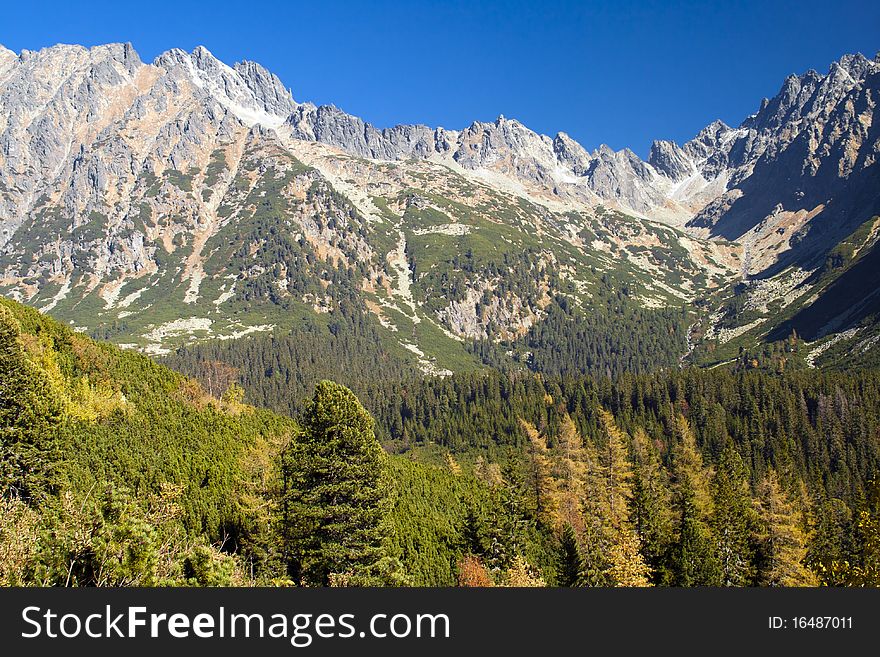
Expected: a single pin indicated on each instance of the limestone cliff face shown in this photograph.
(122, 181)
(61, 103)
(813, 148)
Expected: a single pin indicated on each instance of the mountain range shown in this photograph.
(185, 200)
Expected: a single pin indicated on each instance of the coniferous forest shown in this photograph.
(251, 338)
(264, 461)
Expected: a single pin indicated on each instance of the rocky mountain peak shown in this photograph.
(807, 150)
(811, 93)
(191, 103)
(856, 65)
(171, 58)
(571, 154)
(7, 59)
(120, 179)
(248, 90)
(124, 53)
(266, 85)
(709, 151)
(668, 158)
(709, 137)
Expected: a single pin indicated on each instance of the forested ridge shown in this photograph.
(119, 471)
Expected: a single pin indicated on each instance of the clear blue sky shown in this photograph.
(614, 72)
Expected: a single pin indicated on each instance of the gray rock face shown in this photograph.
(668, 159)
(330, 125)
(707, 151)
(6, 58)
(622, 176)
(85, 127)
(505, 146)
(86, 123)
(571, 154)
(118, 177)
(249, 90)
(812, 148)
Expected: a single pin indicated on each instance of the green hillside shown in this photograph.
(119, 471)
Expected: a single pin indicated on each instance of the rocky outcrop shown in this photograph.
(668, 159)
(111, 167)
(811, 149)
(329, 125)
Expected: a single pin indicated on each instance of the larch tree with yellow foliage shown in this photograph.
(783, 539)
(541, 480)
(627, 565)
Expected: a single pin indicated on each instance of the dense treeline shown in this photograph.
(280, 371)
(616, 336)
(806, 443)
(820, 425)
(118, 471)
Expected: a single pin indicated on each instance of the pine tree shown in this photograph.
(568, 557)
(30, 413)
(733, 520)
(651, 504)
(336, 494)
(499, 533)
(471, 535)
(693, 561)
(784, 542)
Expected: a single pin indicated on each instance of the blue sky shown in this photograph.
(621, 73)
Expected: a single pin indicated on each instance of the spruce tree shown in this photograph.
(733, 520)
(693, 559)
(336, 494)
(651, 504)
(835, 544)
(569, 561)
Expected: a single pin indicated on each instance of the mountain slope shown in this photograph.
(191, 206)
(154, 204)
(117, 471)
(803, 171)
